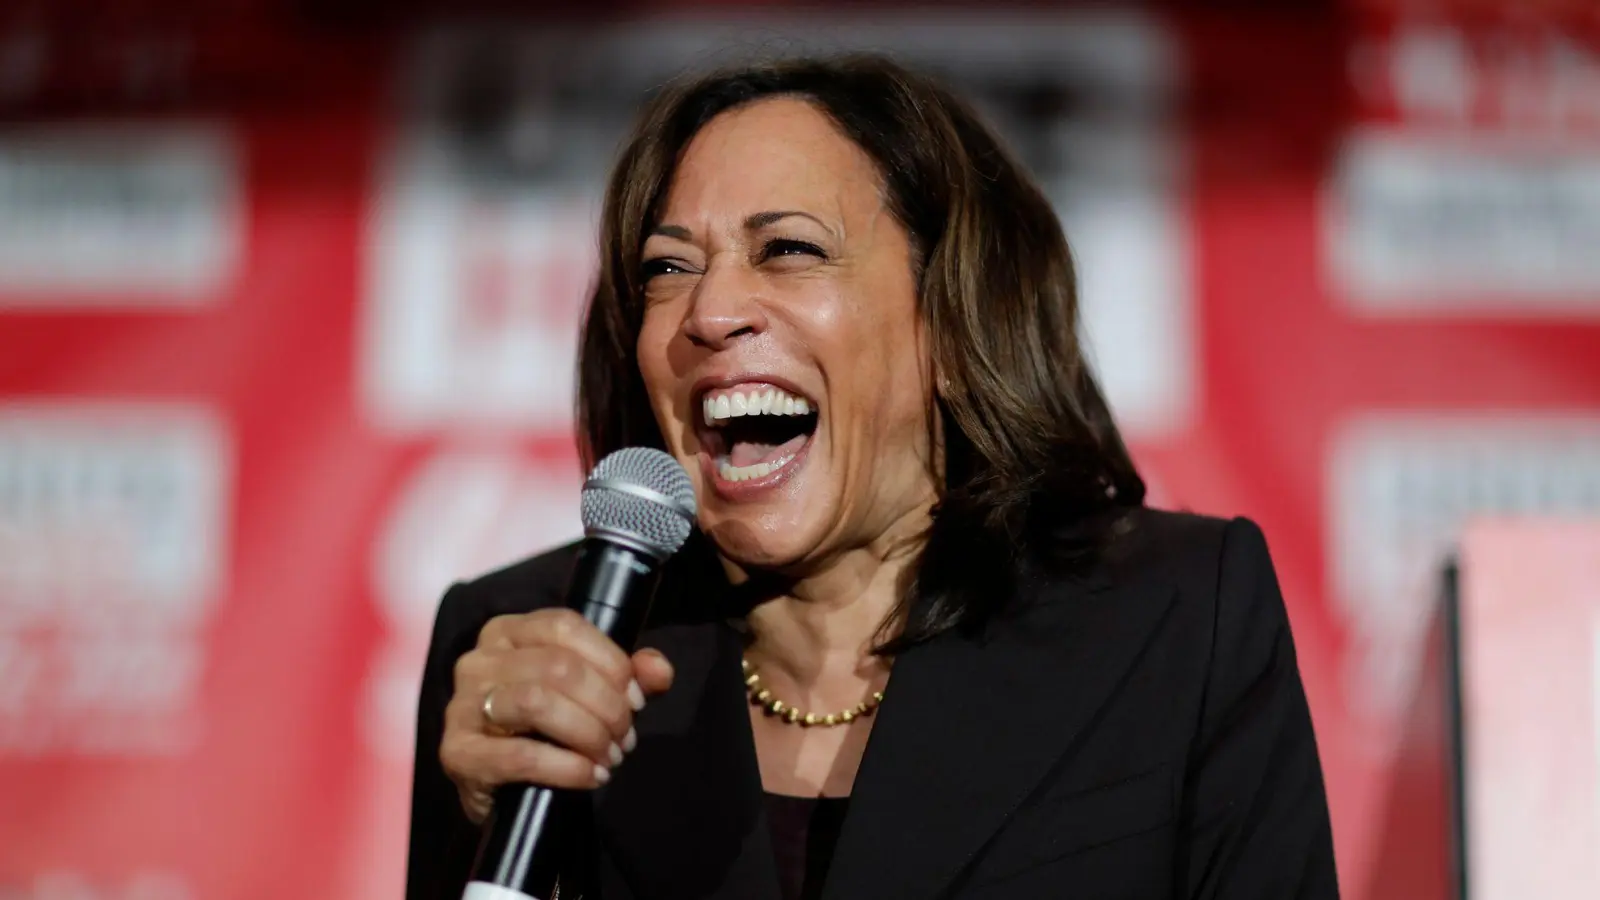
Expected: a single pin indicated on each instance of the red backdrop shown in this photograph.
(279, 358)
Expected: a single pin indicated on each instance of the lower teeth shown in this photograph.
(730, 472)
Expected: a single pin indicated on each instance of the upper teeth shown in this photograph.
(754, 402)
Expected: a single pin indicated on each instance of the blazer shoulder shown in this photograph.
(1221, 568)
(1182, 546)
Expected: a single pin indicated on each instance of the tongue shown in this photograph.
(748, 453)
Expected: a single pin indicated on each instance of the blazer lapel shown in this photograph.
(972, 723)
(683, 817)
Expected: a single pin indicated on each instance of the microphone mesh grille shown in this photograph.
(657, 524)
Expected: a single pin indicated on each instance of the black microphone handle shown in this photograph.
(534, 832)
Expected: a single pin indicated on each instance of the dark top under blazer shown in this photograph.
(1136, 732)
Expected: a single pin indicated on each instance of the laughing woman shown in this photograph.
(927, 641)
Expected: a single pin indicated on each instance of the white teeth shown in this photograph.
(769, 402)
(731, 472)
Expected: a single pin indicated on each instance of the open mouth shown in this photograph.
(753, 431)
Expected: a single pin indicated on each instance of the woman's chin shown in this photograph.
(759, 544)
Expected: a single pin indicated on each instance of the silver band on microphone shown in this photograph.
(642, 492)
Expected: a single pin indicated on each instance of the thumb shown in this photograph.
(652, 670)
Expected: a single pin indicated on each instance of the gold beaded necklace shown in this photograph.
(763, 698)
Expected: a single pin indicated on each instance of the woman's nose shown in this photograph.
(726, 307)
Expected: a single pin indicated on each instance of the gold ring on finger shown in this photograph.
(488, 712)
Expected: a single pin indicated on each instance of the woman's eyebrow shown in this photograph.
(753, 222)
(673, 231)
(760, 220)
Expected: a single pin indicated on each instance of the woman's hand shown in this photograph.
(561, 696)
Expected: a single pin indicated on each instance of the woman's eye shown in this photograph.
(653, 267)
(787, 247)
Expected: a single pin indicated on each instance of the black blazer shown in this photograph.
(1138, 732)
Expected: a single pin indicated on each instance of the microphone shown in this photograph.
(638, 508)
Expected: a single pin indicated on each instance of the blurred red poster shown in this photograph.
(1530, 625)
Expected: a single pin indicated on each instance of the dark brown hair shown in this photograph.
(1034, 471)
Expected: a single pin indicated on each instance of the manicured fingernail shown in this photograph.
(602, 774)
(630, 740)
(616, 754)
(635, 695)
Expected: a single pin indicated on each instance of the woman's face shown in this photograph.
(781, 345)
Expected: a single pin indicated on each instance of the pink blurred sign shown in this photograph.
(1530, 625)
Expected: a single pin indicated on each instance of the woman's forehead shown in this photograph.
(781, 153)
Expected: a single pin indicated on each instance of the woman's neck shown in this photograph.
(824, 626)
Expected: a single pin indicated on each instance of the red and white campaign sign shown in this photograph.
(112, 550)
(286, 351)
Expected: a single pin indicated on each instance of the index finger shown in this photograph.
(563, 628)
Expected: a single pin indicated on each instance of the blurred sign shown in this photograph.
(1530, 697)
(1466, 226)
(118, 215)
(113, 538)
(474, 296)
(1401, 488)
(1470, 187)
